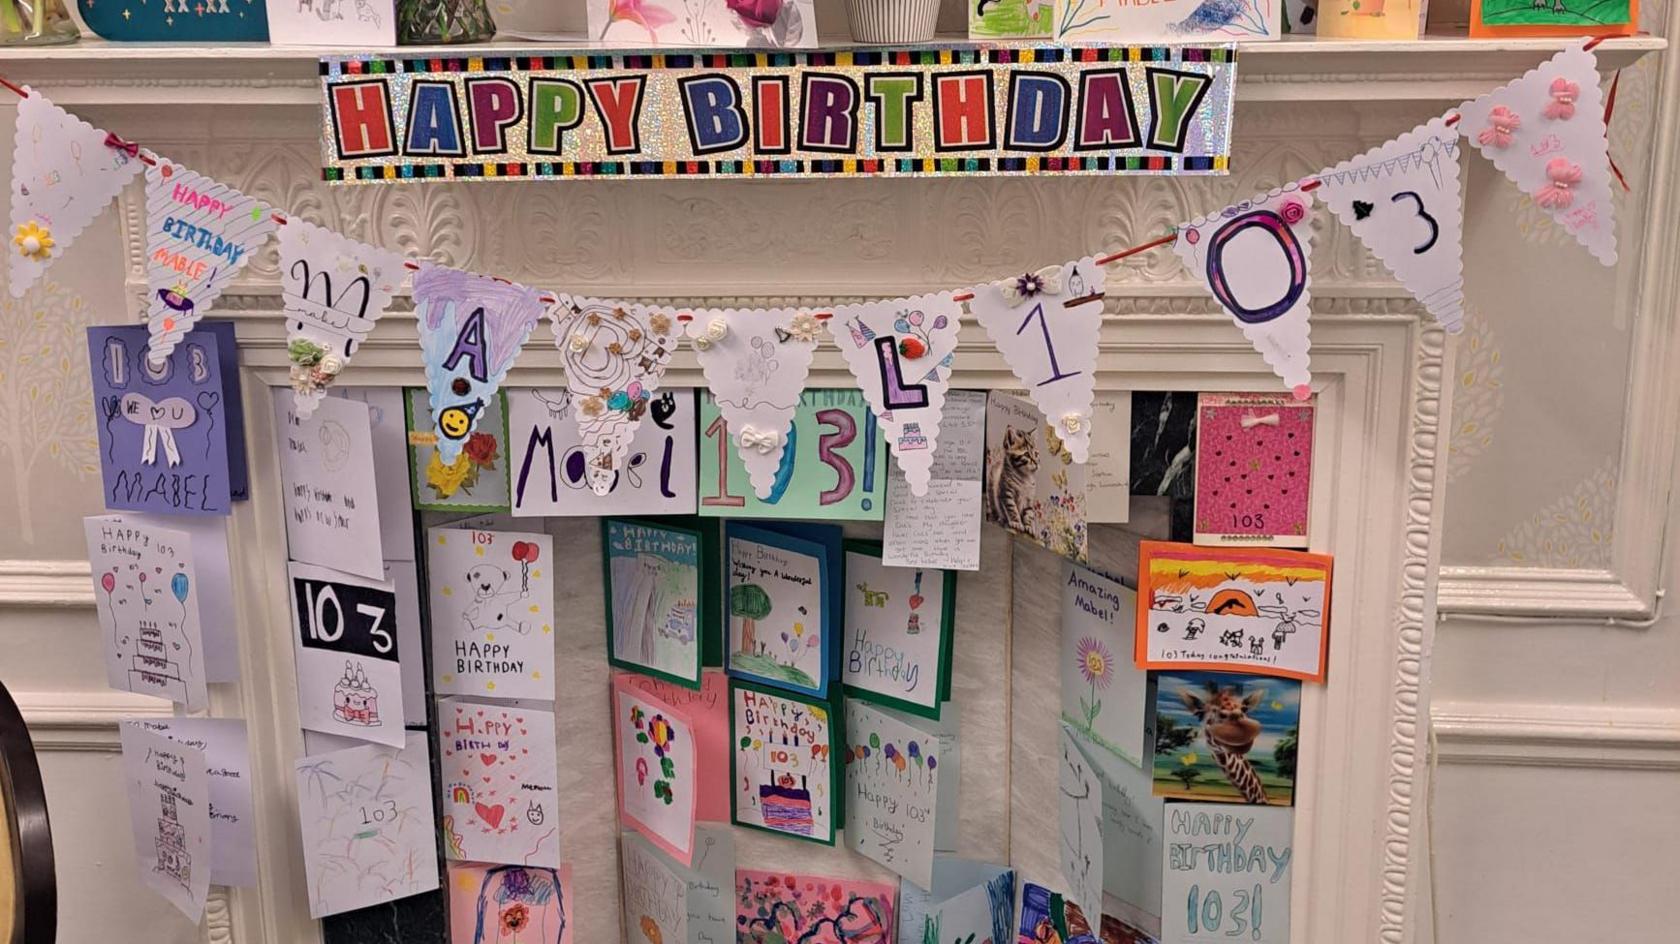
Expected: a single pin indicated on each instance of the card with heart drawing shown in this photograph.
(500, 802)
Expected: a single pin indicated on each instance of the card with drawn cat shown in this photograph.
(1255, 610)
(898, 630)
(663, 606)
(500, 783)
(1226, 738)
(1253, 469)
(492, 612)
(783, 604)
(1032, 486)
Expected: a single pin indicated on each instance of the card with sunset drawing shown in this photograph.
(1259, 610)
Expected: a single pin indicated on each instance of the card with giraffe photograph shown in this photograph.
(1257, 610)
(1225, 738)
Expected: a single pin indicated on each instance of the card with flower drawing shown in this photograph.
(478, 478)
(1104, 696)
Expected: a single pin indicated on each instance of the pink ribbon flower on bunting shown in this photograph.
(1564, 93)
(1564, 174)
(1502, 122)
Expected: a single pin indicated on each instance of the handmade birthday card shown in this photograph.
(1226, 869)
(478, 478)
(658, 762)
(708, 714)
(771, 907)
(171, 439)
(330, 493)
(1048, 917)
(896, 648)
(969, 902)
(1011, 19)
(1130, 830)
(492, 904)
(1033, 487)
(344, 632)
(783, 762)
(1104, 696)
(337, 23)
(501, 798)
(492, 597)
(227, 759)
(1079, 822)
(169, 805)
(148, 602)
(1210, 21)
(1372, 19)
(1253, 610)
(662, 589)
(548, 465)
(783, 604)
(1226, 738)
(671, 903)
(1253, 469)
(737, 24)
(212, 583)
(1555, 18)
(833, 465)
(901, 788)
(369, 835)
(941, 528)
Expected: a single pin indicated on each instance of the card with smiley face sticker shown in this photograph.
(492, 613)
(500, 789)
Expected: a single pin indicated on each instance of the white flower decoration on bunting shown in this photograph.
(1545, 131)
(900, 351)
(63, 175)
(334, 289)
(615, 356)
(199, 235)
(1046, 325)
(1403, 200)
(1256, 258)
(756, 361)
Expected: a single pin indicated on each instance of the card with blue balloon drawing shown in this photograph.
(783, 604)
(896, 645)
(145, 591)
(901, 788)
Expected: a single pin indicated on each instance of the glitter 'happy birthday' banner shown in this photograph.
(908, 112)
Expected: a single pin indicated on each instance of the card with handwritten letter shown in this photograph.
(783, 763)
(490, 904)
(663, 607)
(1104, 696)
(327, 483)
(1253, 469)
(549, 464)
(898, 631)
(492, 612)
(227, 758)
(708, 715)
(1224, 869)
(669, 902)
(344, 630)
(901, 788)
(942, 527)
(783, 604)
(500, 792)
(146, 593)
(169, 802)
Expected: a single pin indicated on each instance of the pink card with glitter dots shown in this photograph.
(1253, 469)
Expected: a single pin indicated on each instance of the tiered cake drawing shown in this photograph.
(355, 701)
(151, 667)
(786, 799)
(173, 859)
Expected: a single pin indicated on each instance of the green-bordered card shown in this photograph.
(898, 621)
(664, 592)
(478, 479)
(785, 762)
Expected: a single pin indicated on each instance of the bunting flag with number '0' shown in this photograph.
(1262, 279)
(756, 362)
(1046, 325)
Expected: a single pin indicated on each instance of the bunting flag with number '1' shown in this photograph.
(901, 351)
(1046, 325)
(615, 355)
(756, 362)
(63, 176)
(334, 289)
(1256, 257)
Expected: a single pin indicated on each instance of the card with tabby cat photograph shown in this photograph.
(1032, 485)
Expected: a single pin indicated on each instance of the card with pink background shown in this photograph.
(1253, 469)
(708, 715)
(510, 904)
(772, 907)
(657, 765)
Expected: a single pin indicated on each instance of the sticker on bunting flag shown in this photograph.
(1046, 325)
(900, 351)
(471, 329)
(1545, 131)
(1264, 279)
(63, 175)
(755, 362)
(1402, 199)
(615, 355)
(334, 290)
(199, 235)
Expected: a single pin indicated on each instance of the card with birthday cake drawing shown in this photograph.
(1253, 469)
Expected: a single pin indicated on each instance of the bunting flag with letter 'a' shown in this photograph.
(1256, 258)
(199, 235)
(63, 175)
(1403, 200)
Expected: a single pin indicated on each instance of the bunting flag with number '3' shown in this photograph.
(1046, 325)
(1256, 257)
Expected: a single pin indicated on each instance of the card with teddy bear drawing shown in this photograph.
(492, 613)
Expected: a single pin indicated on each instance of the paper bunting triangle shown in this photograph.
(615, 355)
(334, 289)
(900, 351)
(1263, 279)
(63, 176)
(199, 235)
(1545, 131)
(471, 330)
(756, 361)
(1046, 325)
(1403, 201)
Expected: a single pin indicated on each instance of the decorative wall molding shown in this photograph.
(84, 720)
(1540, 592)
(45, 583)
(1596, 737)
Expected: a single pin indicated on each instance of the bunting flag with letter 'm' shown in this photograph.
(1403, 200)
(1046, 325)
(1546, 132)
(1256, 257)
(900, 351)
(756, 362)
(334, 289)
(615, 355)
(199, 235)
(63, 175)
(471, 329)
